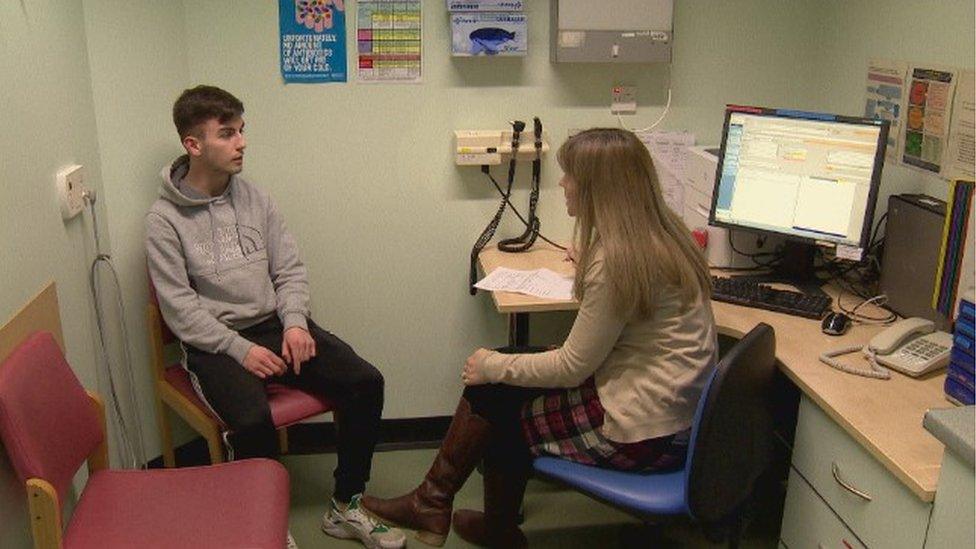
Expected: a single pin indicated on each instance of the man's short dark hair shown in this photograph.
(199, 104)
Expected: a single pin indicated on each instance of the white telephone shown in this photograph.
(912, 346)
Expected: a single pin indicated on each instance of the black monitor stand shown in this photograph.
(796, 268)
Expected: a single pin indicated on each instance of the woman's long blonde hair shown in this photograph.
(619, 203)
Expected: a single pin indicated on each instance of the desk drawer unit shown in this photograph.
(809, 523)
(876, 506)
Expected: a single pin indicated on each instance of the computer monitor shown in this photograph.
(810, 177)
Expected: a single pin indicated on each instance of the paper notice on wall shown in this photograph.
(961, 158)
(884, 98)
(389, 40)
(669, 150)
(926, 132)
(313, 40)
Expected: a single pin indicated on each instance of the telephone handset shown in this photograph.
(912, 346)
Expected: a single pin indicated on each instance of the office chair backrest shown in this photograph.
(731, 437)
(48, 424)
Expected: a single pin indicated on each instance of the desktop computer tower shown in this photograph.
(913, 239)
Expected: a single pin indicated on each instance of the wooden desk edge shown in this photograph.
(923, 492)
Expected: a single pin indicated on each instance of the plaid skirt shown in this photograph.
(566, 423)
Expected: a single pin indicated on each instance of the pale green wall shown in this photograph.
(136, 51)
(46, 122)
(364, 173)
(365, 177)
(940, 33)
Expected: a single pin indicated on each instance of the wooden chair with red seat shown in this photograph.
(173, 388)
(50, 426)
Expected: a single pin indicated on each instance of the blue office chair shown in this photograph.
(730, 447)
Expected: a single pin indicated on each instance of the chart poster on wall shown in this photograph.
(389, 40)
(961, 159)
(884, 94)
(927, 117)
(313, 40)
(670, 153)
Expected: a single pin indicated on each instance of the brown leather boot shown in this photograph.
(497, 526)
(427, 509)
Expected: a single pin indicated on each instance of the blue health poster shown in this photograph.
(313, 40)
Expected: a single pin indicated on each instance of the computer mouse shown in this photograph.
(835, 324)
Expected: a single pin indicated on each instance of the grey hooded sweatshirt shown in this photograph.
(221, 264)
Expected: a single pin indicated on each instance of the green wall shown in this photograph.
(46, 123)
(364, 173)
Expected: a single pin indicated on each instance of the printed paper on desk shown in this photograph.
(539, 283)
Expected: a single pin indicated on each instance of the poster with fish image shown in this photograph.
(489, 34)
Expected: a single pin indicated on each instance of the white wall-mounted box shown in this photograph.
(486, 147)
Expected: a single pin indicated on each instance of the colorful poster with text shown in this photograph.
(313, 40)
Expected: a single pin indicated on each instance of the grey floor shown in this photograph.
(555, 517)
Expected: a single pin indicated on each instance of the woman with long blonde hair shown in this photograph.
(621, 391)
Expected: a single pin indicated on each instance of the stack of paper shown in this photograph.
(539, 282)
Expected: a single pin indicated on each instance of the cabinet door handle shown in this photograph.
(836, 471)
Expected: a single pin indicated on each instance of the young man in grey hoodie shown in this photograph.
(232, 288)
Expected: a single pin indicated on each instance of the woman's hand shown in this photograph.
(474, 368)
(570, 254)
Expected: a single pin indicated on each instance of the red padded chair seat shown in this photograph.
(288, 405)
(182, 508)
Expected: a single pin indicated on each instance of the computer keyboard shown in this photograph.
(750, 293)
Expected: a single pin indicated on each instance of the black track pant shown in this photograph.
(239, 398)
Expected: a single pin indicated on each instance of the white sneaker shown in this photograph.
(354, 523)
(290, 542)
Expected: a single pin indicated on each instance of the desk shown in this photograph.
(518, 306)
(884, 417)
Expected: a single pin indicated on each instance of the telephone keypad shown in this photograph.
(921, 350)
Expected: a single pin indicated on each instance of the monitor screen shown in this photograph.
(807, 176)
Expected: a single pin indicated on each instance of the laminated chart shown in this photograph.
(389, 40)
(927, 123)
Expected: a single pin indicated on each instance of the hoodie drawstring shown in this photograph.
(237, 222)
(213, 240)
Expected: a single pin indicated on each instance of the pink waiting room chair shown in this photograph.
(49, 426)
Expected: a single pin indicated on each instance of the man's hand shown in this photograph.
(474, 370)
(297, 347)
(261, 362)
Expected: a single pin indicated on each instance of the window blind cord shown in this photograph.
(131, 435)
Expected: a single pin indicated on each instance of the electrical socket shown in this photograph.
(71, 190)
(623, 100)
